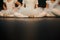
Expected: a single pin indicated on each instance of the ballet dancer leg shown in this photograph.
(42, 14)
(39, 12)
(50, 14)
(56, 11)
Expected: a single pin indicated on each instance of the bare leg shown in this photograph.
(50, 14)
(56, 11)
(42, 14)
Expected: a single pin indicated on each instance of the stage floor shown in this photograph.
(30, 28)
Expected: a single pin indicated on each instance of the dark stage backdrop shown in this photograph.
(42, 3)
(1, 4)
(20, 1)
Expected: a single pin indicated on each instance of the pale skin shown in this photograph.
(36, 5)
(5, 8)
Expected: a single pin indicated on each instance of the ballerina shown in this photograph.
(30, 8)
(56, 10)
(50, 6)
(10, 9)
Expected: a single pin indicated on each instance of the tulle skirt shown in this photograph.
(11, 13)
(30, 11)
(7, 12)
(56, 10)
(48, 12)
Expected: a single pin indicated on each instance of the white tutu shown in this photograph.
(16, 14)
(56, 10)
(48, 12)
(7, 13)
(51, 8)
(30, 11)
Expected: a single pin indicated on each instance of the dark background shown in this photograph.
(1, 4)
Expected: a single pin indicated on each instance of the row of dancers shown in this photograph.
(30, 8)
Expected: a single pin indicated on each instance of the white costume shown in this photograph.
(30, 9)
(10, 9)
(49, 11)
(56, 10)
